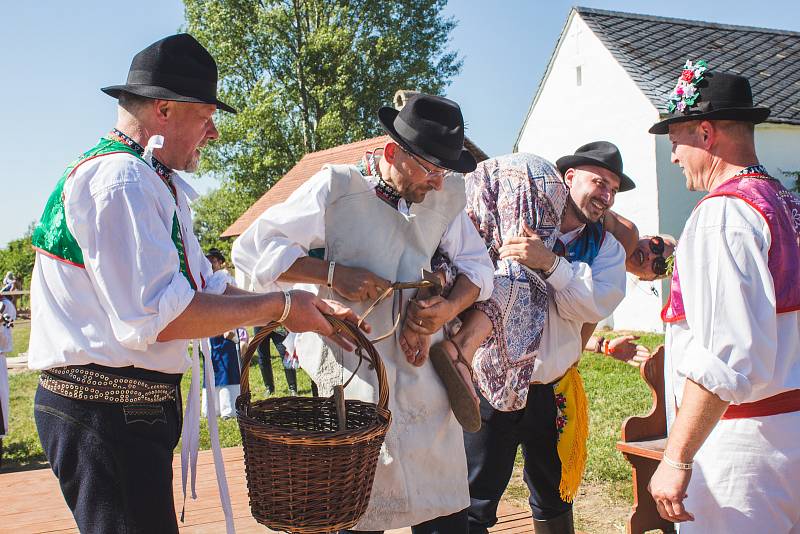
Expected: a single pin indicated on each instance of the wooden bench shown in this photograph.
(642, 444)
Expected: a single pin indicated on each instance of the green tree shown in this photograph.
(18, 257)
(214, 212)
(307, 75)
(796, 176)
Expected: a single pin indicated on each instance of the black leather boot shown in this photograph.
(558, 525)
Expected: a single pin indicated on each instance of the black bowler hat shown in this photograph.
(722, 96)
(215, 253)
(600, 153)
(432, 128)
(174, 68)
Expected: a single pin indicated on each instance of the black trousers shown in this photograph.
(266, 365)
(492, 450)
(113, 461)
(449, 524)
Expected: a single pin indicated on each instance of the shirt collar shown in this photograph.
(162, 170)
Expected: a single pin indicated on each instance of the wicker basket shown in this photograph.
(304, 474)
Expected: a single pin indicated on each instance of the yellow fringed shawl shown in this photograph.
(573, 418)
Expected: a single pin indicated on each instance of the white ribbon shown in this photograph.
(155, 142)
(191, 432)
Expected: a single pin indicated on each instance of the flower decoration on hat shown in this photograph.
(670, 265)
(685, 93)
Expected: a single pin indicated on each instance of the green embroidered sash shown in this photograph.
(52, 236)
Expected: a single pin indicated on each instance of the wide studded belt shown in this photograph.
(81, 383)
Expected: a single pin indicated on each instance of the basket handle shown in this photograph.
(347, 330)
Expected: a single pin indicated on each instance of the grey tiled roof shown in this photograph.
(653, 49)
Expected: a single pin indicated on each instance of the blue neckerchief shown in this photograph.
(585, 246)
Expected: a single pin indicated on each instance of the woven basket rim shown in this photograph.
(279, 434)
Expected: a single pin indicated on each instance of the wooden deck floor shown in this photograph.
(31, 502)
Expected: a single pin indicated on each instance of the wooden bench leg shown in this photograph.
(644, 516)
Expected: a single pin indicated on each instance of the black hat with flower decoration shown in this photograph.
(701, 94)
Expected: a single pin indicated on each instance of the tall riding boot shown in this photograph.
(558, 525)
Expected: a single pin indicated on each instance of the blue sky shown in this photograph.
(56, 56)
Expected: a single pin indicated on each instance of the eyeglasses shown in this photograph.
(657, 245)
(436, 173)
(659, 262)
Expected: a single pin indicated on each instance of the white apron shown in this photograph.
(422, 469)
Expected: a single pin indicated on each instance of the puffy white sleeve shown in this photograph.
(729, 298)
(128, 253)
(463, 244)
(590, 293)
(283, 233)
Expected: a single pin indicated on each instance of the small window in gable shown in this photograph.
(578, 76)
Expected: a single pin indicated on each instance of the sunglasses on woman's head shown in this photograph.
(657, 245)
(659, 266)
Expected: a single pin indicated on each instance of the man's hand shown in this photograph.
(357, 285)
(528, 249)
(306, 312)
(427, 316)
(623, 349)
(668, 488)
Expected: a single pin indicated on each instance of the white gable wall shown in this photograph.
(777, 149)
(606, 106)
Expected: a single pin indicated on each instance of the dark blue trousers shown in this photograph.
(492, 450)
(113, 461)
(266, 366)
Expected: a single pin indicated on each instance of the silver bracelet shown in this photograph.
(677, 465)
(331, 267)
(287, 305)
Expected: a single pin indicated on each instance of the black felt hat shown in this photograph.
(432, 128)
(722, 96)
(174, 68)
(600, 153)
(215, 253)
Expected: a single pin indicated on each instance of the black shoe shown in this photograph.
(562, 524)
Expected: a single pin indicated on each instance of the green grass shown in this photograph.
(20, 335)
(615, 391)
(22, 448)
